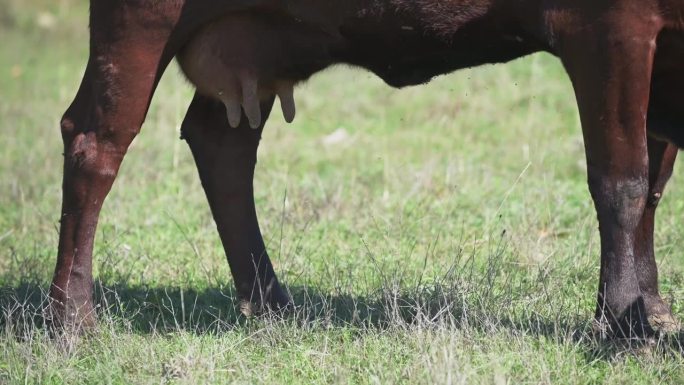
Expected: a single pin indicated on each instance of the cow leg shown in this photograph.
(225, 159)
(610, 64)
(661, 157)
(97, 129)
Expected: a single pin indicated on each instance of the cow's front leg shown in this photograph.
(609, 59)
(225, 158)
(661, 157)
(126, 59)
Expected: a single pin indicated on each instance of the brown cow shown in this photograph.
(242, 53)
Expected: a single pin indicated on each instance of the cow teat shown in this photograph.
(239, 60)
(285, 92)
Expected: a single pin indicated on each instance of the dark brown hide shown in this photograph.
(623, 56)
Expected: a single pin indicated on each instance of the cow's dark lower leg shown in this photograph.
(619, 203)
(226, 158)
(661, 160)
(610, 68)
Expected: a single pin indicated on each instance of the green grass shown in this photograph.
(449, 237)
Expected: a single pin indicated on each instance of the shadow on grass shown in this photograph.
(212, 311)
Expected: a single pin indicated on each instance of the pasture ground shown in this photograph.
(438, 234)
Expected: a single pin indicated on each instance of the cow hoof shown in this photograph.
(70, 319)
(247, 308)
(631, 325)
(277, 303)
(664, 323)
(605, 329)
(250, 309)
(660, 316)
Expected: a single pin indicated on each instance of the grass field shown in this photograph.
(438, 234)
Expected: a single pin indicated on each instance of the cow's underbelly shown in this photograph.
(246, 58)
(666, 110)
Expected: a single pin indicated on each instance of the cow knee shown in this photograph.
(94, 159)
(620, 201)
(73, 122)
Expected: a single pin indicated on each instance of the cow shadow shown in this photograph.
(212, 311)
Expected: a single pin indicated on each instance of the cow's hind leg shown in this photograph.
(225, 159)
(661, 157)
(610, 63)
(97, 128)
